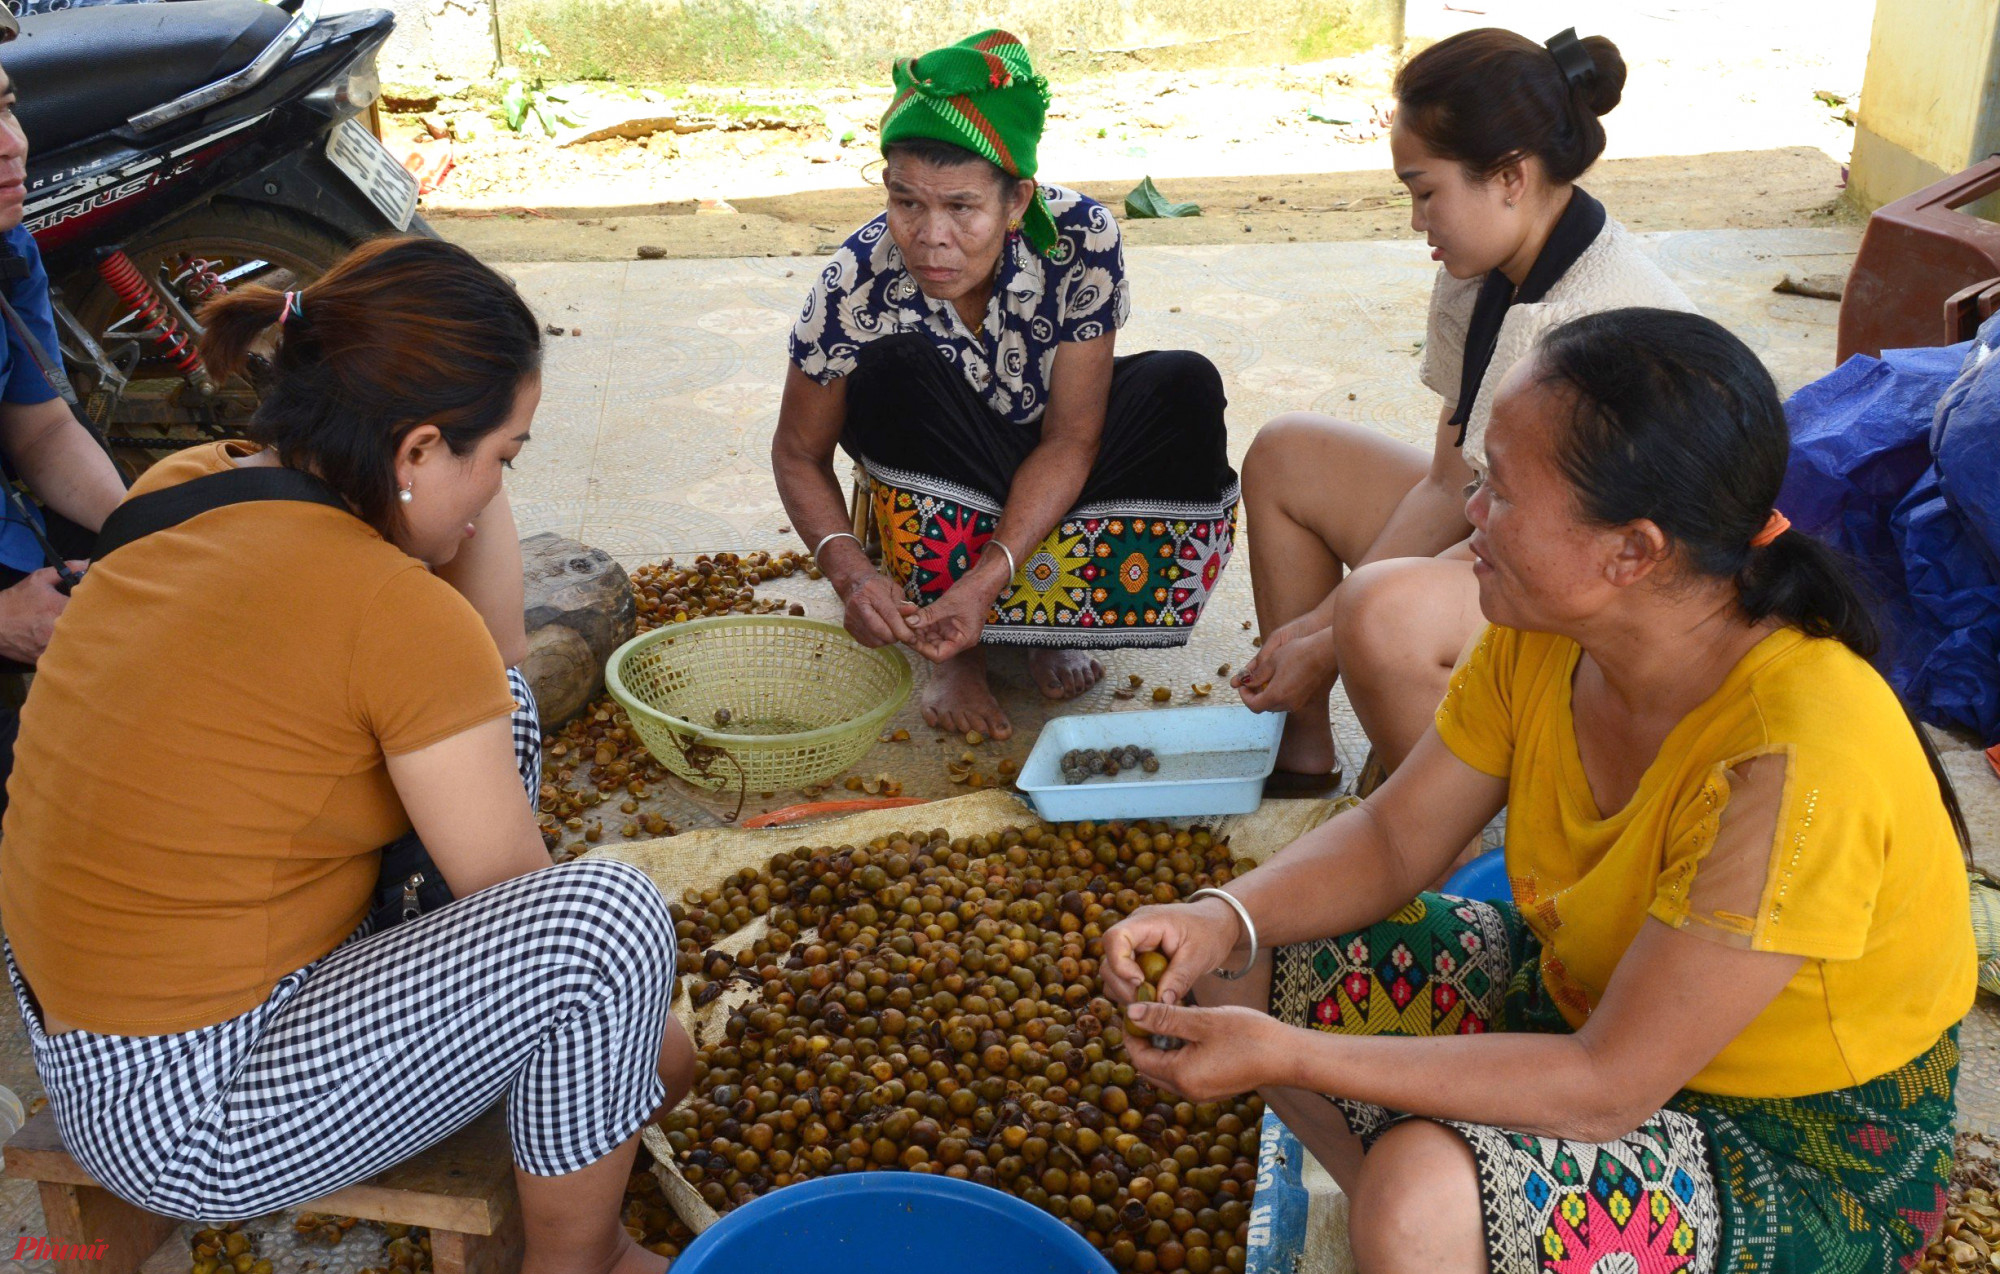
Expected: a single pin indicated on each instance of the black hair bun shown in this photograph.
(1607, 88)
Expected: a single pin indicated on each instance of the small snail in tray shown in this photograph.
(1082, 764)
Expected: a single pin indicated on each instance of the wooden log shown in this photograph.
(579, 609)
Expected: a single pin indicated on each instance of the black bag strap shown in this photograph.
(142, 515)
(13, 266)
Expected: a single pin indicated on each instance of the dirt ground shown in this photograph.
(1751, 190)
(1733, 116)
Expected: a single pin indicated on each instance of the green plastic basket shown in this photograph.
(805, 700)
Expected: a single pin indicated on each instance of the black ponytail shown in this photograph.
(1674, 420)
(1809, 585)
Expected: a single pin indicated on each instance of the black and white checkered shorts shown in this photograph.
(550, 989)
(527, 727)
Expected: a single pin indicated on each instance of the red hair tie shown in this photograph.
(1774, 526)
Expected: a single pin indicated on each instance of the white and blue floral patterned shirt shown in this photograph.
(1077, 293)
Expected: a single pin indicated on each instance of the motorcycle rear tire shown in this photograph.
(298, 249)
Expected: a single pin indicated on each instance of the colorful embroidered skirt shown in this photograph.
(1132, 564)
(1851, 1181)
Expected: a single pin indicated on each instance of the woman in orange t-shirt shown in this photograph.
(239, 711)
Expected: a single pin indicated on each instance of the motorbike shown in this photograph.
(180, 149)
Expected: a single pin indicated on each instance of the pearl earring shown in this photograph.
(406, 495)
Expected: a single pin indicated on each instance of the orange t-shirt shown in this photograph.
(199, 788)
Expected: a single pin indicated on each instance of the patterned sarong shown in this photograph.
(1132, 564)
(1847, 1182)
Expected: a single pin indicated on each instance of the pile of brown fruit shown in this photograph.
(407, 1250)
(650, 1219)
(595, 772)
(231, 1249)
(725, 584)
(935, 1005)
(646, 1215)
(226, 1249)
(1970, 1238)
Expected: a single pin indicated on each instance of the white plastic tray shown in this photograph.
(1212, 761)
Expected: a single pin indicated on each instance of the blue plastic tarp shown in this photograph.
(1896, 461)
(1278, 1209)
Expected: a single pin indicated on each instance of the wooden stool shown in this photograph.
(461, 1190)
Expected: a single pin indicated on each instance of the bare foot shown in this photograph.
(1307, 746)
(1063, 674)
(958, 699)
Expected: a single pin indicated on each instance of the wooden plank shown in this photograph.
(92, 1215)
(465, 1183)
(454, 1252)
(36, 1153)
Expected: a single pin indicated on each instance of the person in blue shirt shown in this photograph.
(41, 442)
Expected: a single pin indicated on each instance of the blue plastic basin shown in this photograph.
(1484, 879)
(869, 1222)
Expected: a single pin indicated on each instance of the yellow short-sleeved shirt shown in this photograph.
(1864, 876)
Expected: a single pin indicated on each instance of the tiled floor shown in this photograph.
(656, 421)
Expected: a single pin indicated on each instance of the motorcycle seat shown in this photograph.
(80, 72)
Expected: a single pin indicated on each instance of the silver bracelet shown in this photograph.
(826, 540)
(1012, 570)
(1243, 914)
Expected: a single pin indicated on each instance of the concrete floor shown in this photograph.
(656, 420)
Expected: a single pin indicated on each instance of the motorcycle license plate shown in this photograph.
(370, 166)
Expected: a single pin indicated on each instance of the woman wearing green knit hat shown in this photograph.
(1029, 488)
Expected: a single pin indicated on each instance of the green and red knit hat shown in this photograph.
(981, 94)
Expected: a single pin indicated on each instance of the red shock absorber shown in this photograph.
(203, 283)
(124, 279)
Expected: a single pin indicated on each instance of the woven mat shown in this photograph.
(700, 859)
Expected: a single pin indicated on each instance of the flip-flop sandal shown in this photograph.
(1292, 785)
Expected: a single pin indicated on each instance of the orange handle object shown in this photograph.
(828, 809)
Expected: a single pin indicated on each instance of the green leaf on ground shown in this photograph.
(514, 104)
(1145, 201)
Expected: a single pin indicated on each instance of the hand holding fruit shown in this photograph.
(1153, 966)
(1192, 937)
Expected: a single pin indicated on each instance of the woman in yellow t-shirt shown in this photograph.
(1723, 1002)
